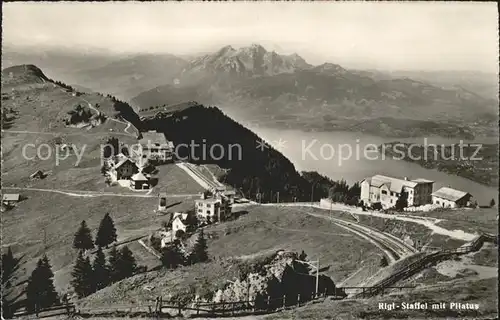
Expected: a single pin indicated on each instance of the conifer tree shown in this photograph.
(8, 266)
(114, 265)
(106, 233)
(100, 274)
(199, 253)
(172, 256)
(82, 280)
(40, 292)
(127, 264)
(83, 238)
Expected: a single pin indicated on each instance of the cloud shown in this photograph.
(388, 35)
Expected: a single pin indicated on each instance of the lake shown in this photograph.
(342, 155)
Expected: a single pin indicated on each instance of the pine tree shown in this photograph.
(127, 264)
(40, 292)
(100, 274)
(172, 256)
(106, 234)
(199, 253)
(402, 201)
(83, 238)
(303, 256)
(82, 280)
(114, 265)
(8, 266)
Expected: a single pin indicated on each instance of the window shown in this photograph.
(200, 211)
(384, 192)
(437, 202)
(208, 212)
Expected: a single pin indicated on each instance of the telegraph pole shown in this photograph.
(314, 264)
(317, 277)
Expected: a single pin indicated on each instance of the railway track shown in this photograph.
(393, 247)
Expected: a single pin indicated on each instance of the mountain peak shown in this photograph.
(27, 73)
(258, 47)
(330, 68)
(225, 50)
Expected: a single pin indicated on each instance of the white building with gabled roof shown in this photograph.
(387, 190)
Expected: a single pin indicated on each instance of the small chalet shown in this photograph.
(451, 198)
(10, 199)
(139, 181)
(124, 169)
(179, 222)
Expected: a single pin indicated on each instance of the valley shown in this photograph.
(276, 229)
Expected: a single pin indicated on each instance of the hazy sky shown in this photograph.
(434, 36)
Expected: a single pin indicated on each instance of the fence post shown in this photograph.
(284, 302)
(179, 308)
(232, 308)
(197, 308)
(298, 300)
(160, 311)
(223, 307)
(268, 302)
(363, 295)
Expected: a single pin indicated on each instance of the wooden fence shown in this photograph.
(425, 262)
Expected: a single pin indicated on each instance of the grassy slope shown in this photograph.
(40, 106)
(261, 231)
(60, 215)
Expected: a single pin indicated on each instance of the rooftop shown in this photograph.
(420, 180)
(139, 176)
(122, 162)
(450, 194)
(11, 197)
(155, 138)
(181, 215)
(395, 184)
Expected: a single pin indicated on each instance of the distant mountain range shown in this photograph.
(253, 84)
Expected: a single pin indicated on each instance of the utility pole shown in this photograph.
(315, 265)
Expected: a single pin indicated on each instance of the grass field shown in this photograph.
(256, 232)
(469, 220)
(55, 218)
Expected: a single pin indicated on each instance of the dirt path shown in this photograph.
(93, 194)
